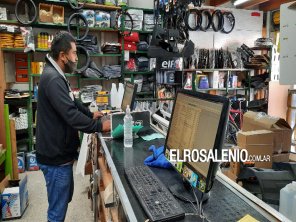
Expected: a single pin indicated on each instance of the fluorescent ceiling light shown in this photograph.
(238, 2)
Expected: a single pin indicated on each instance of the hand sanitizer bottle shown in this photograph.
(128, 128)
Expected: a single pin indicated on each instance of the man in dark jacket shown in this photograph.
(59, 117)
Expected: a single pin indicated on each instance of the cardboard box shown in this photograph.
(284, 157)
(14, 200)
(258, 143)
(282, 130)
(235, 166)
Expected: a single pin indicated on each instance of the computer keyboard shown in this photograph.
(158, 203)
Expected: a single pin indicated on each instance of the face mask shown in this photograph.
(70, 66)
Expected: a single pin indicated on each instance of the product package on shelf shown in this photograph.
(37, 67)
(3, 13)
(102, 19)
(136, 14)
(110, 2)
(149, 22)
(164, 77)
(142, 46)
(137, 19)
(21, 67)
(142, 63)
(90, 17)
(165, 92)
(6, 40)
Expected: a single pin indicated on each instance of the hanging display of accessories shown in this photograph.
(206, 18)
(229, 20)
(217, 20)
(197, 19)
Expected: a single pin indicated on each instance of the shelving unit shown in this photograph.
(224, 89)
(260, 70)
(133, 74)
(80, 80)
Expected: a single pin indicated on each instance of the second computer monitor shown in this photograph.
(198, 122)
(129, 95)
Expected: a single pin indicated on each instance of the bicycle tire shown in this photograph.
(199, 22)
(85, 52)
(220, 24)
(77, 14)
(76, 7)
(17, 15)
(231, 132)
(125, 13)
(231, 18)
(209, 15)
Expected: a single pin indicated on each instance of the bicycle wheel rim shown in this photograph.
(231, 19)
(83, 50)
(198, 19)
(80, 16)
(231, 132)
(25, 12)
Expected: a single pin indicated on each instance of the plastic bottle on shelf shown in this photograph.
(128, 128)
(113, 95)
(120, 95)
(287, 200)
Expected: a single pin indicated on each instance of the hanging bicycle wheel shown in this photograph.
(83, 59)
(78, 26)
(231, 133)
(25, 11)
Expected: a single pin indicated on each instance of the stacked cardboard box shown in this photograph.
(281, 129)
(258, 143)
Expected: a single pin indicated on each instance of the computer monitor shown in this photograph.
(129, 95)
(198, 122)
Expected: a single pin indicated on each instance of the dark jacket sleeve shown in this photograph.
(58, 95)
(83, 109)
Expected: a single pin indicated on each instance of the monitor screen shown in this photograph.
(128, 96)
(198, 122)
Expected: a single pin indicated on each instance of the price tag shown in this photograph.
(126, 55)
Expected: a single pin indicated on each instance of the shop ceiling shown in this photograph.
(262, 5)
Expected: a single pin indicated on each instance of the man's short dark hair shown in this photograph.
(61, 43)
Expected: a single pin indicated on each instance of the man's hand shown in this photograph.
(98, 114)
(106, 126)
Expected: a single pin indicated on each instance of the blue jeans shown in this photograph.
(60, 187)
